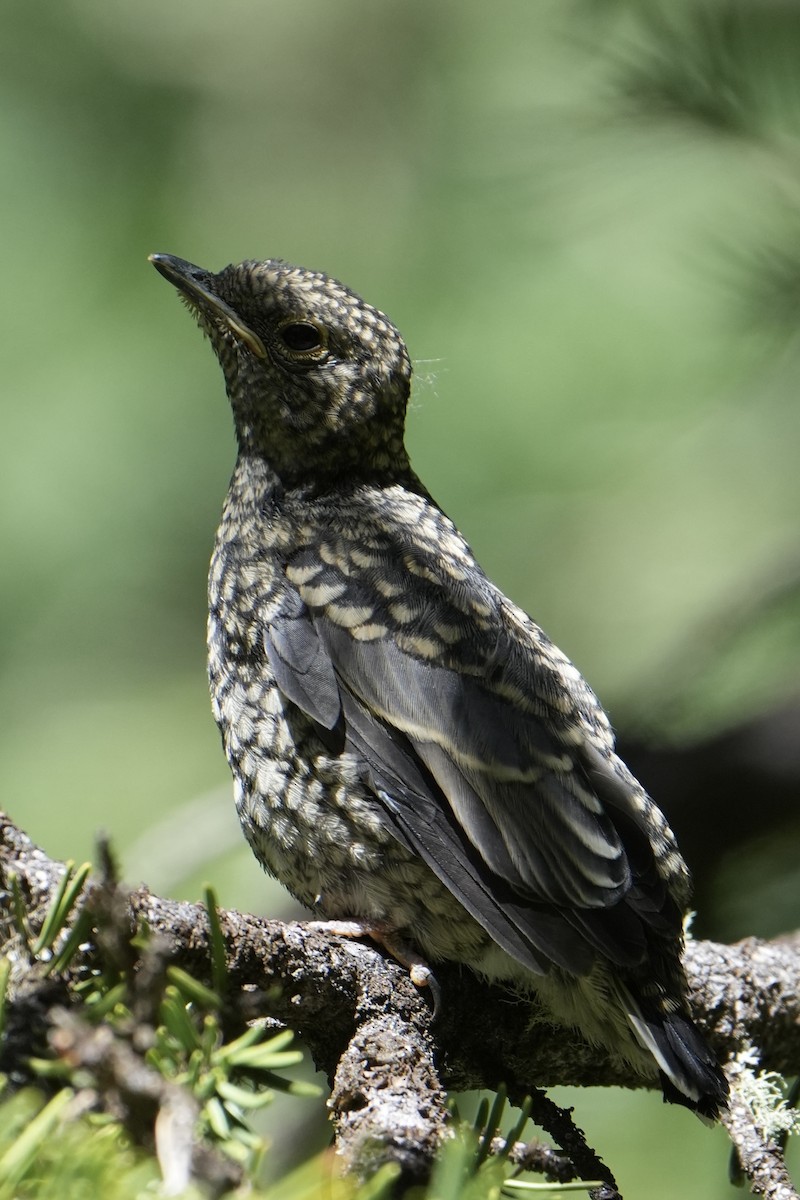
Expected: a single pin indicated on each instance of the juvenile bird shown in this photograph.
(410, 751)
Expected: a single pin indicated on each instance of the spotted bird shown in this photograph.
(410, 752)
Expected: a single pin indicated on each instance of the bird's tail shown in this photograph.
(690, 1073)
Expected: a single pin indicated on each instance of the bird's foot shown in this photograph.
(419, 971)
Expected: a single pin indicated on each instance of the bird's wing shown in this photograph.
(522, 800)
(477, 757)
(536, 934)
(302, 667)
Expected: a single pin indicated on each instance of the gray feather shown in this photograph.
(517, 795)
(302, 667)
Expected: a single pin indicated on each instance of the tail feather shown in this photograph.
(690, 1073)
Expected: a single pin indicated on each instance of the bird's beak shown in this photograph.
(195, 284)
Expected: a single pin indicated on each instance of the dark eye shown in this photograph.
(302, 337)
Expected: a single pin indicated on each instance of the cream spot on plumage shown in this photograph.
(448, 633)
(389, 589)
(418, 569)
(422, 647)
(402, 613)
(323, 594)
(365, 558)
(370, 633)
(300, 575)
(349, 616)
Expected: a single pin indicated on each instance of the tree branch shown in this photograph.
(372, 1031)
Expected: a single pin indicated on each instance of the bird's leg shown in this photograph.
(419, 971)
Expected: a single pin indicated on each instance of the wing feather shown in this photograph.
(301, 665)
(520, 797)
(536, 936)
(536, 835)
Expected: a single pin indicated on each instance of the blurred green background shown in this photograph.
(584, 217)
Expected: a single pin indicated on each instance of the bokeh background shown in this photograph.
(585, 218)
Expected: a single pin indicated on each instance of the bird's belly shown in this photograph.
(313, 823)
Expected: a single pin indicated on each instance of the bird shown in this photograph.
(412, 756)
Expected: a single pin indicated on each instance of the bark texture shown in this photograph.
(389, 1061)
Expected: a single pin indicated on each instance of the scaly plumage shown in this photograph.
(409, 749)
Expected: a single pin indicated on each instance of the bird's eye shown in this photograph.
(303, 337)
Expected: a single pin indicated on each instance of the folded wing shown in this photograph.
(538, 840)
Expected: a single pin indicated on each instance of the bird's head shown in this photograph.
(318, 379)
